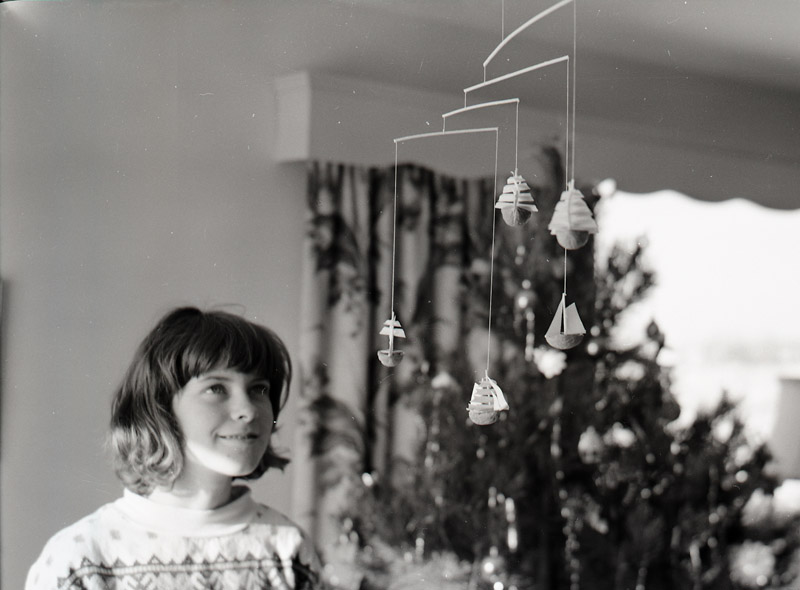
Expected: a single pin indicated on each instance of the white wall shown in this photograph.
(135, 176)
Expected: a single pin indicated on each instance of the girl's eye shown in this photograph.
(217, 389)
(260, 390)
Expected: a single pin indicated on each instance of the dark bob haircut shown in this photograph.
(145, 438)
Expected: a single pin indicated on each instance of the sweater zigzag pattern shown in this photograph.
(136, 544)
(189, 575)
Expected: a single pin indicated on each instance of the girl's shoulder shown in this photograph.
(73, 545)
(84, 532)
(283, 531)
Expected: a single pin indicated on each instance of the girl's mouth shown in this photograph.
(239, 437)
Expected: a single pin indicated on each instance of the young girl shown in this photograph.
(195, 411)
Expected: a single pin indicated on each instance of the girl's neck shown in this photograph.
(195, 492)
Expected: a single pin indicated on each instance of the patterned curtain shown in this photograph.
(350, 423)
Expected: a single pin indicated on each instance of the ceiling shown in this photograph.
(628, 52)
(751, 41)
(690, 56)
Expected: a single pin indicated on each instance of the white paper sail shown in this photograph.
(572, 321)
(506, 201)
(393, 328)
(500, 403)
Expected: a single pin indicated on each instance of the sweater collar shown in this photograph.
(160, 518)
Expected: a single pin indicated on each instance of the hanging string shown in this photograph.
(569, 168)
(491, 258)
(502, 19)
(567, 134)
(516, 142)
(574, 78)
(394, 224)
(564, 296)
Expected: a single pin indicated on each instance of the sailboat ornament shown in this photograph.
(516, 202)
(572, 220)
(566, 330)
(391, 328)
(487, 402)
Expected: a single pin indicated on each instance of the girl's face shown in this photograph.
(226, 420)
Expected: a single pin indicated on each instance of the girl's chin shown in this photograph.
(224, 464)
(238, 469)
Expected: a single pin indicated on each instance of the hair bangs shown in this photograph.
(223, 341)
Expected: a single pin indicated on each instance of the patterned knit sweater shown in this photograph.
(134, 543)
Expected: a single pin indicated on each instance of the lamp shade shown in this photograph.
(784, 440)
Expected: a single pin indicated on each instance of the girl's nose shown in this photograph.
(243, 408)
